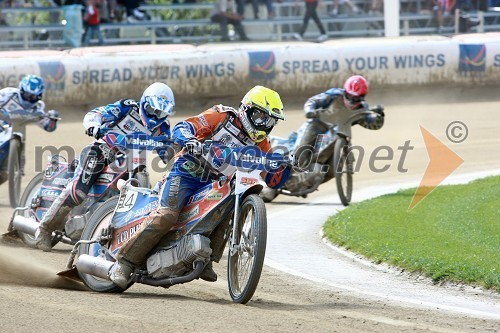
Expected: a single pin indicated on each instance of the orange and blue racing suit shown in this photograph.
(219, 124)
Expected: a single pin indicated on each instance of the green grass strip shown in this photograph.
(452, 235)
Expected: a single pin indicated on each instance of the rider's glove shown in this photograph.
(53, 115)
(194, 147)
(311, 113)
(93, 131)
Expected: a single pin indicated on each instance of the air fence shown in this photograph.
(82, 76)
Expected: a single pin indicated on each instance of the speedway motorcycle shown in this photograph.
(227, 210)
(12, 155)
(46, 186)
(330, 157)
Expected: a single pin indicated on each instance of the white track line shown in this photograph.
(295, 247)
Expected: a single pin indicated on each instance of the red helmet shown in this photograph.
(356, 88)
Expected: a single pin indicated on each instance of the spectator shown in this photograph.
(376, 7)
(311, 6)
(224, 14)
(91, 16)
(349, 4)
(269, 7)
(133, 12)
(240, 7)
(442, 9)
(2, 20)
(107, 10)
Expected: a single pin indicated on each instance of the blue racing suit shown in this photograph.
(17, 113)
(121, 117)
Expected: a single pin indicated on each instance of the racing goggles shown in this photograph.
(261, 119)
(354, 99)
(157, 112)
(29, 97)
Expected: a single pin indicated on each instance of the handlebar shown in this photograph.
(135, 140)
(247, 157)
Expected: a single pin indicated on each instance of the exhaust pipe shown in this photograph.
(25, 224)
(94, 266)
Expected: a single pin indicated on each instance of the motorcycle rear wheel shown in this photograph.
(15, 172)
(29, 193)
(343, 174)
(99, 220)
(245, 264)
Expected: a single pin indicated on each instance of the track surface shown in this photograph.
(32, 298)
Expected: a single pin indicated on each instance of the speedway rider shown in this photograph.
(126, 116)
(22, 105)
(250, 125)
(350, 98)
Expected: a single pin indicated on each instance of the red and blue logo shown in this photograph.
(262, 65)
(115, 140)
(219, 155)
(472, 58)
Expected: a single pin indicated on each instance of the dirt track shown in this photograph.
(31, 298)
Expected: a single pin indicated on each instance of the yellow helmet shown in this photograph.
(259, 111)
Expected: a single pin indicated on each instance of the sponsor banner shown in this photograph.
(79, 77)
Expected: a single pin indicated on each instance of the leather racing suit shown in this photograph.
(218, 123)
(18, 113)
(123, 117)
(333, 101)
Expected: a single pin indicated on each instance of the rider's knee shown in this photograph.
(167, 217)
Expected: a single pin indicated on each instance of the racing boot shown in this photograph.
(52, 220)
(208, 273)
(43, 239)
(133, 252)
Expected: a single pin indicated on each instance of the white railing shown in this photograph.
(23, 33)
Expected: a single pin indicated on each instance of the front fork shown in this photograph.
(233, 247)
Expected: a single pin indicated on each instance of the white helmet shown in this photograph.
(156, 104)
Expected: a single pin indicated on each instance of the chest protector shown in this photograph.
(131, 123)
(228, 134)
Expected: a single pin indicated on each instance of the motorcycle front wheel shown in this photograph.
(15, 172)
(246, 256)
(343, 172)
(99, 221)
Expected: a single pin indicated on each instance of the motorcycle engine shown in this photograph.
(178, 259)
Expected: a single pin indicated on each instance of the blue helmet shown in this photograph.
(31, 90)
(156, 104)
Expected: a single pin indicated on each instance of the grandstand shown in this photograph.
(46, 27)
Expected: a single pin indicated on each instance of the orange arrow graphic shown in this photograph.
(443, 161)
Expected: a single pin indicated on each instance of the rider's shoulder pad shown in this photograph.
(128, 102)
(222, 108)
(334, 92)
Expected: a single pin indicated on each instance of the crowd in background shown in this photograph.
(232, 12)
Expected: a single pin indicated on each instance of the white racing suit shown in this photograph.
(124, 118)
(17, 113)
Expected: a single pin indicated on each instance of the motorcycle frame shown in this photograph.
(234, 191)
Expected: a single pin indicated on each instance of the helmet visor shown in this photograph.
(29, 97)
(159, 108)
(354, 99)
(262, 120)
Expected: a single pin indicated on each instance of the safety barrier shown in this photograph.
(87, 75)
